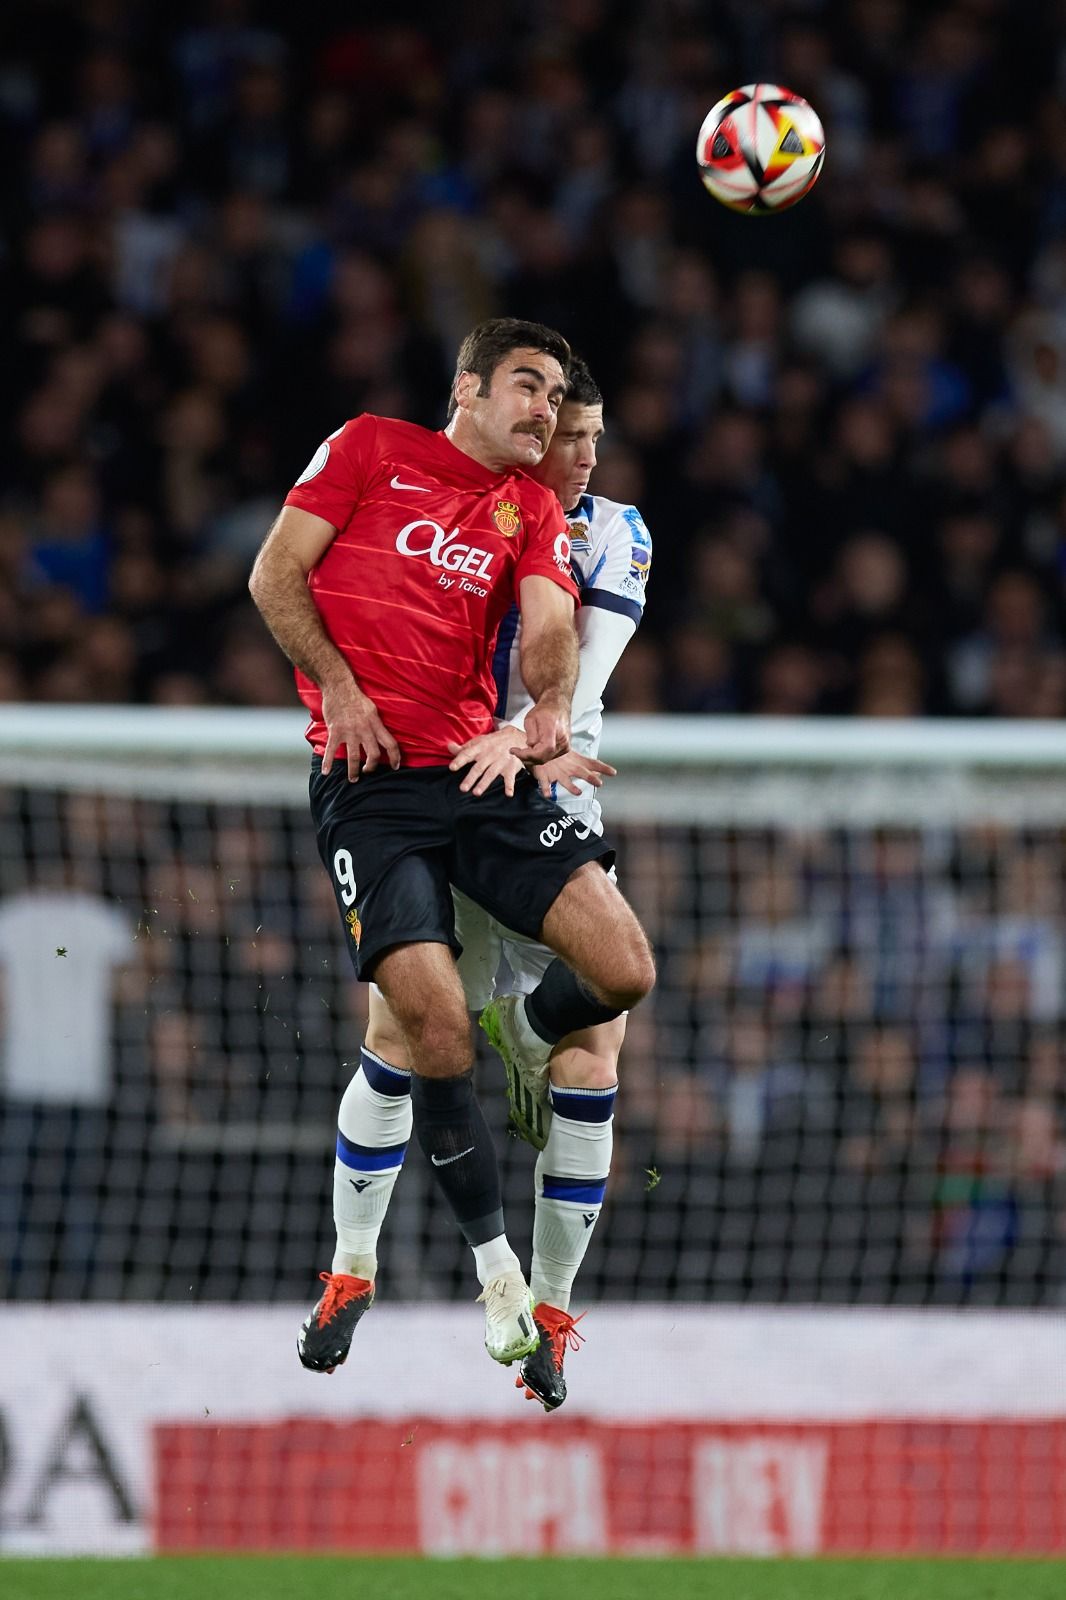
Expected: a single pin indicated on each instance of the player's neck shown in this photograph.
(465, 438)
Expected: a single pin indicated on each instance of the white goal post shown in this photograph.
(969, 763)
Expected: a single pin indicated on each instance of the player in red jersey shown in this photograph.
(384, 579)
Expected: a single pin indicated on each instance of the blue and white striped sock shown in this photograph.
(571, 1180)
(373, 1129)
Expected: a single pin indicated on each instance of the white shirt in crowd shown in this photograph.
(58, 952)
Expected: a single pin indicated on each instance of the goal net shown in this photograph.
(848, 1087)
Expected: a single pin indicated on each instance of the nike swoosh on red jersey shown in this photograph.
(417, 487)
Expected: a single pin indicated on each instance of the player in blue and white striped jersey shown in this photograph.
(610, 560)
(564, 1106)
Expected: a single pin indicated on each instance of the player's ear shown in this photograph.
(467, 385)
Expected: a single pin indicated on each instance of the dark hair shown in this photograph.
(486, 346)
(581, 386)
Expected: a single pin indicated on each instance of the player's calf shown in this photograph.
(589, 1060)
(525, 1031)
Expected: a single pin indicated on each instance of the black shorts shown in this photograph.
(395, 842)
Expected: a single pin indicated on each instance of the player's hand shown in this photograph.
(571, 769)
(352, 720)
(547, 732)
(489, 757)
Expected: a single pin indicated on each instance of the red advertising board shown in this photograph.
(542, 1485)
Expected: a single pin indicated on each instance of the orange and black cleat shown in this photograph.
(326, 1336)
(541, 1373)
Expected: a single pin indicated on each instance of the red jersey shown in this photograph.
(430, 550)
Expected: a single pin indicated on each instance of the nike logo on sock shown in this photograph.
(418, 488)
(446, 1161)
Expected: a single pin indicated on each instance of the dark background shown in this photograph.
(230, 226)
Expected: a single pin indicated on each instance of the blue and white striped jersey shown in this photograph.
(610, 561)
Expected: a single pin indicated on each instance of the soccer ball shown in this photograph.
(760, 149)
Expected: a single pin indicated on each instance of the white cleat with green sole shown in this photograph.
(527, 1071)
(511, 1331)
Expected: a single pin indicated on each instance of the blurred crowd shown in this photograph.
(855, 1055)
(229, 228)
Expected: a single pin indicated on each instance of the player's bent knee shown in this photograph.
(642, 978)
(440, 1046)
(425, 999)
(630, 976)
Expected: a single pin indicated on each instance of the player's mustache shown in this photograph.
(535, 428)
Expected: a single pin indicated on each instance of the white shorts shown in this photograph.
(486, 944)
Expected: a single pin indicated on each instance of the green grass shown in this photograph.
(337, 1578)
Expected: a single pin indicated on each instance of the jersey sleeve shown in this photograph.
(332, 483)
(618, 578)
(602, 639)
(547, 552)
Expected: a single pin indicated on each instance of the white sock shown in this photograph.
(571, 1179)
(494, 1258)
(373, 1129)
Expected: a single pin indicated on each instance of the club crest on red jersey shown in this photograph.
(507, 517)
